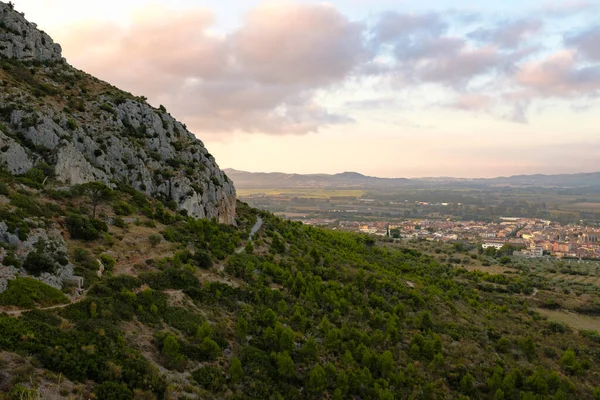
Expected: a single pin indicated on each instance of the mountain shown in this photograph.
(111, 288)
(262, 180)
(88, 130)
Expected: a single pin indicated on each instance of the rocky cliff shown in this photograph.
(54, 115)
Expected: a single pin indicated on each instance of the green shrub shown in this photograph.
(84, 228)
(122, 208)
(12, 260)
(38, 262)
(113, 391)
(26, 292)
(3, 189)
(202, 259)
(20, 392)
(154, 239)
(108, 261)
(209, 377)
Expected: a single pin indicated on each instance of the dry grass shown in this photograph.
(130, 248)
(574, 320)
(493, 269)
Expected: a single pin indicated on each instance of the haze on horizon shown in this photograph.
(385, 88)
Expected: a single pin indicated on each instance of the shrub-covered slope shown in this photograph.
(298, 313)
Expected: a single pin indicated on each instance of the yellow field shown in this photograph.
(306, 193)
(574, 320)
(585, 206)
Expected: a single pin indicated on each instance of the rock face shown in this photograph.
(88, 130)
(22, 40)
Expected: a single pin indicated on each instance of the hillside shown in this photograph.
(129, 271)
(87, 130)
(354, 180)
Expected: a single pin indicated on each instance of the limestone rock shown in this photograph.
(13, 156)
(90, 131)
(22, 40)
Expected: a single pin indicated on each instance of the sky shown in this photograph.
(404, 88)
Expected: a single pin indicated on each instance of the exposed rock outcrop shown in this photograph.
(90, 131)
(20, 39)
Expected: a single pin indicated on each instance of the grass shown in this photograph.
(574, 320)
(492, 269)
(583, 206)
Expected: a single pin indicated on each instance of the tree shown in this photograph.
(171, 350)
(569, 362)
(317, 379)
(466, 383)
(241, 329)
(286, 340)
(210, 348)
(236, 372)
(386, 363)
(204, 331)
(309, 350)
(285, 365)
(98, 193)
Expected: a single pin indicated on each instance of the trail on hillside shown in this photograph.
(18, 313)
(253, 231)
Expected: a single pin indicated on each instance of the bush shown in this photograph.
(26, 292)
(122, 208)
(203, 259)
(119, 222)
(209, 377)
(12, 260)
(108, 261)
(113, 391)
(38, 262)
(3, 189)
(84, 228)
(154, 240)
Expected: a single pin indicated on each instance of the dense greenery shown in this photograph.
(315, 313)
(27, 292)
(298, 313)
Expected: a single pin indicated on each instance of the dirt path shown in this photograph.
(18, 313)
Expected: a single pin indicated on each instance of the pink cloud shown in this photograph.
(559, 75)
(472, 102)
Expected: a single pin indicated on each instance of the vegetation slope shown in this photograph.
(181, 311)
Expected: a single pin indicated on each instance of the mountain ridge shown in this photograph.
(256, 180)
(88, 130)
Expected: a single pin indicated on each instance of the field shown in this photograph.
(583, 206)
(574, 320)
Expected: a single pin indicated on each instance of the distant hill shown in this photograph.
(266, 180)
(262, 180)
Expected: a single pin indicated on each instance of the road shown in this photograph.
(253, 231)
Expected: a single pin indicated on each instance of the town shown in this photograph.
(534, 237)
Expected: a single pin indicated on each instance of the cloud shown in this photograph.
(472, 102)
(508, 34)
(587, 42)
(267, 75)
(566, 8)
(394, 26)
(291, 44)
(261, 78)
(559, 75)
